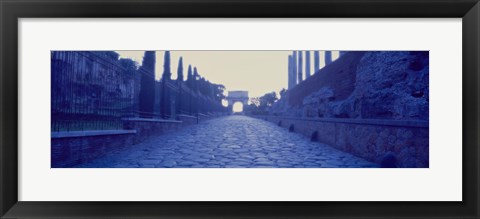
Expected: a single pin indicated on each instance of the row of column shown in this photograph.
(296, 66)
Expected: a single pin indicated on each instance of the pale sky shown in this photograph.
(257, 72)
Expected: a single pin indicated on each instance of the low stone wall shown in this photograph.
(203, 117)
(72, 148)
(76, 147)
(146, 128)
(187, 119)
(373, 140)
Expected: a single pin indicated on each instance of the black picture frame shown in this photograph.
(12, 10)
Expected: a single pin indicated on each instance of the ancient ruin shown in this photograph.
(374, 105)
(359, 109)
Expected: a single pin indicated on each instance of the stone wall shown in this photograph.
(363, 85)
(372, 104)
(187, 119)
(146, 128)
(75, 147)
(72, 148)
(372, 139)
(339, 77)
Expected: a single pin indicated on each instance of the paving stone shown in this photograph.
(231, 141)
(148, 162)
(168, 163)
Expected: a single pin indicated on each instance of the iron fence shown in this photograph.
(89, 91)
(94, 91)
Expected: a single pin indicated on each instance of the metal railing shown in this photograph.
(93, 91)
(88, 92)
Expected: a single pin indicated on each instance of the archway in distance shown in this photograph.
(235, 97)
(237, 107)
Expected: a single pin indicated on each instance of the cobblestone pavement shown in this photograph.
(232, 141)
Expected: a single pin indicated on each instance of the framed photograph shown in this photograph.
(256, 109)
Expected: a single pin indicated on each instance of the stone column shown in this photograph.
(316, 61)
(294, 68)
(307, 64)
(300, 67)
(328, 57)
(290, 72)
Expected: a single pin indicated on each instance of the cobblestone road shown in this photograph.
(232, 141)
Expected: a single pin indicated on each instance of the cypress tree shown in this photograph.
(194, 79)
(165, 92)
(189, 77)
(147, 84)
(180, 70)
(166, 66)
(195, 90)
(179, 84)
(189, 85)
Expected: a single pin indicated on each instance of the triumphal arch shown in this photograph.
(237, 96)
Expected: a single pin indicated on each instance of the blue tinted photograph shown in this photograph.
(239, 109)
